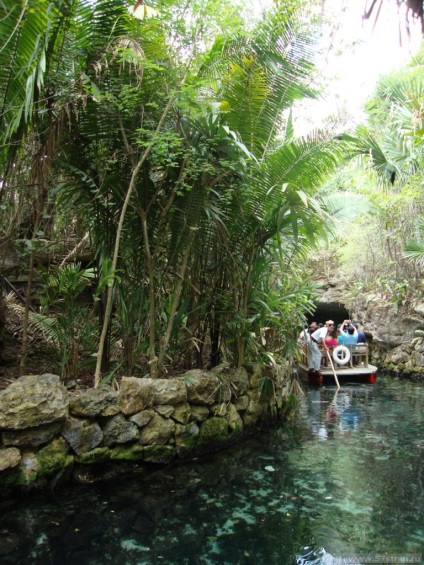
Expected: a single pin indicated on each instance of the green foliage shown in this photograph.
(62, 320)
(222, 207)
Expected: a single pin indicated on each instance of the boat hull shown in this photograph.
(358, 374)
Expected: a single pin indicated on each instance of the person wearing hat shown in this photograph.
(314, 352)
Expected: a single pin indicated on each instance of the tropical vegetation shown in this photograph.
(153, 189)
(163, 146)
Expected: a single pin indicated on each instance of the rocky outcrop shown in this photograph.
(47, 438)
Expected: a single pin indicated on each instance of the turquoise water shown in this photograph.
(345, 477)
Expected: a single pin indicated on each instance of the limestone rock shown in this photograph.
(169, 391)
(419, 309)
(33, 400)
(32, 437)
(165, 410)
(158, 431)
(82, 435)
(242, 403)
(25, 474)
(398, 356)
(9, 457)
(234, 420)
(240, 380)
(202, 387)
(222, 369)
(119, 430)
(256, 408)
(182, 413)
(135, 394)
(93, 402)
(53, 457)
(220, 409)
(142, 418)
(199, 413)
(186, 437)
(417, 359)
(256, 376)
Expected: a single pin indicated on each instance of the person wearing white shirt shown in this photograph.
(314, 352)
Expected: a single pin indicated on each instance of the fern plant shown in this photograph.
(62, 321)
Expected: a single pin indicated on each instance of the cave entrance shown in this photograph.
(329, 311)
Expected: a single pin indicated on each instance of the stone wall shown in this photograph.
(51, 436)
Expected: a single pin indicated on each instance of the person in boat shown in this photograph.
(314, 352)
(349, 333)
(331, 340)
(304, 336)
(361, 335)
(313, 327)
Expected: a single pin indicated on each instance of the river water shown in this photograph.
(344, 477)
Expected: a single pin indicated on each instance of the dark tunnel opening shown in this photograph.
(329, 311)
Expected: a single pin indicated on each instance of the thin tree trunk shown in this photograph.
(242, 342)
(24, 344)
(134, 176)
(175, 303)
(153, 360)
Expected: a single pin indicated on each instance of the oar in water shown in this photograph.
(334, 371)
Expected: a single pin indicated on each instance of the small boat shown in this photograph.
(350, 362)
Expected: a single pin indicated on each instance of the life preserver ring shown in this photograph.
(341, 355)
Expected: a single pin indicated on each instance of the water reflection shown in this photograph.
(337, 410)
(345, 477)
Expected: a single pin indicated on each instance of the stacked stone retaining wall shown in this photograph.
(51, 436)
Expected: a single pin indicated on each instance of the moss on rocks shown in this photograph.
(97, 455)
(213, 431)
(53, 458)
(131, 452)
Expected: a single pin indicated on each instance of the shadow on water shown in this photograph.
(345, 477)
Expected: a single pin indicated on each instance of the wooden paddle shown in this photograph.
(334, 370)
